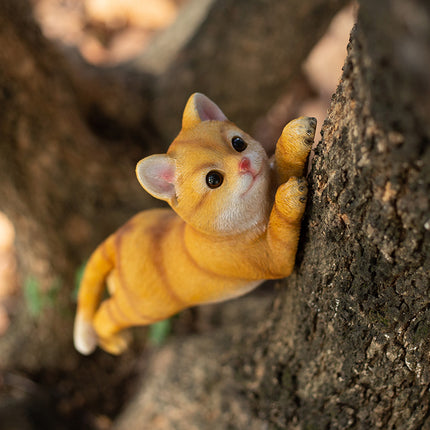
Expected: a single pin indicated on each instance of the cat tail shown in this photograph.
(90, 294)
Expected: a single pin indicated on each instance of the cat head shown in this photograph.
(215, 176)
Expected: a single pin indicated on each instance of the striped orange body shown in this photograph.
(235, 223)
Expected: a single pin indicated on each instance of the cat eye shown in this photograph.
(214, 179)
(238, 144)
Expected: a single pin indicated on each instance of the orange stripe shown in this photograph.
(158, 232)
(200, 202)
(194, 262)
(123, 283)
(104, 252)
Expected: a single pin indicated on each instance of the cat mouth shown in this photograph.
(255, 178)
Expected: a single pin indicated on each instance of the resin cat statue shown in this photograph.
(235, 223)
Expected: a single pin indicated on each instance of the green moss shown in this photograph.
(159, 331)
(36, 299)
(33, 296)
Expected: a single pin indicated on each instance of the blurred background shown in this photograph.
(106, 32)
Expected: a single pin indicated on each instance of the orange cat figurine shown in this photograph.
(235, 223)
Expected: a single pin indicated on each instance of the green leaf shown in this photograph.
(33, 296)
(159, 331)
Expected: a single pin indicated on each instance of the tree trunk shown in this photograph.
(345, 344)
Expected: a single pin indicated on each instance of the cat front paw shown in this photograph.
(291, 199)
(300, 132)
(293, 147)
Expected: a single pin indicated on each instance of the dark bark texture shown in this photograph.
(346, 342)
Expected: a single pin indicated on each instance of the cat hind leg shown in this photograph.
(110, 334)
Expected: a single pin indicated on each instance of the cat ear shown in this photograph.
(156, 174)
(201, 108)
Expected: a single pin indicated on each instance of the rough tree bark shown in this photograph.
(345, 344)
(71, 135)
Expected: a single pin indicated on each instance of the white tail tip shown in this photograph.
(84, 335)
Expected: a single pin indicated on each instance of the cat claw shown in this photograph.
(291, 198)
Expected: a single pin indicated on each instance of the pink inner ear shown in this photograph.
(162, 177)
(168, 176)
(208, 110)
(162, 187)
(157, 175)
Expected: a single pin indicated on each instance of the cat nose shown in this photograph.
(244, 165)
